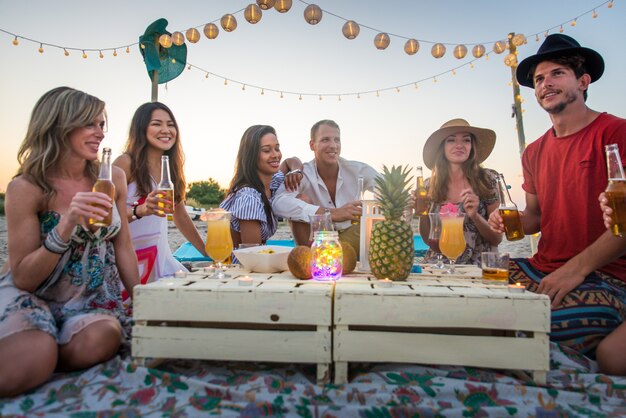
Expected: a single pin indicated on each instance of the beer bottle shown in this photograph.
(166, 189)
(616, 189)
(360, 189)
(105, 185)
(422, 200)
(509, 213)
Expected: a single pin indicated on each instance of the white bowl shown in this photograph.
(258, 260)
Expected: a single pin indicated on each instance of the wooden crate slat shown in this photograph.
(493, 352)
(229, 344)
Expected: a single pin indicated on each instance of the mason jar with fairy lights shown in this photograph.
(326, 256)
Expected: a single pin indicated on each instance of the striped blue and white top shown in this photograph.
(247, 204)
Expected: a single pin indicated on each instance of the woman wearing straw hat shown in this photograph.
(454, 153)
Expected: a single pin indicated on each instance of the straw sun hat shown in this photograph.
(485, 140)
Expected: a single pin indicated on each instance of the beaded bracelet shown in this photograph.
(135, 215)
(54, 243)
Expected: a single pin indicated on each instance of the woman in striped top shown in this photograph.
(258, 174)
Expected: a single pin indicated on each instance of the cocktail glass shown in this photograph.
(219, 242)
(452, 241)
(433, 238)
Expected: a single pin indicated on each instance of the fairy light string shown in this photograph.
(280, 92)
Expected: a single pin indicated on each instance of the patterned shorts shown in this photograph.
(587, 314)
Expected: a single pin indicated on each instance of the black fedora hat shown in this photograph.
(559, 45)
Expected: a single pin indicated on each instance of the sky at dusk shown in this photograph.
(283, 53)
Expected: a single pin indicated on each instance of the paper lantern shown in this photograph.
(460, 51)
(165, 40)
(411, 46)
(228, 22)
(499, 47)
(438, 50)
(178, 38)
(519, 39)
(211, 30)
(253, 13)
(313, 14)
(382, 41)
(350, 29)
(478, 51)
(265, 4)
(510, 60)
(193, 35)
(283, 6)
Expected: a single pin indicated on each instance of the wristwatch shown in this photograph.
(296, 171)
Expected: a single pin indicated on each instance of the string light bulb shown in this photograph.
(206, 75)
(320, 97)
(40, 48)
(358, 95)
(115, 52)
(101, 55)
(300, 97)
(283, 6)
(453, 72)
(128, 50)
(594, 14)
(211, 30)
(397, 89)
(281, 95)
(338, 98)
(243, 87)
(84, 54)
(416, 86)
(573, 23)
(66, 52)
(610, 5)
(262, 92)
(561, 29)
(188, 67)
(16, 42)
(225, 81)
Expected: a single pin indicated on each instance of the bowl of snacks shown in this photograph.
(264, 258)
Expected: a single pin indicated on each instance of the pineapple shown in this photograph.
(391, 243)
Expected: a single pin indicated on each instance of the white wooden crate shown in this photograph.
(434, 319)
(277, 319)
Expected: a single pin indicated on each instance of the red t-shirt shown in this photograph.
(567, 174)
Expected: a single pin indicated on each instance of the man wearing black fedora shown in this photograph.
(579, 264)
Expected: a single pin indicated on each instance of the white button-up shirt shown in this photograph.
(287, 205)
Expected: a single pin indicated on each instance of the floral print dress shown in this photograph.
(476, 244)
(82, 289)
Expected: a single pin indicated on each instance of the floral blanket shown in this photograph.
(119, 388)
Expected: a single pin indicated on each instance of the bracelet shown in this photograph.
(54, 243)
(296, 171)
(135, 215)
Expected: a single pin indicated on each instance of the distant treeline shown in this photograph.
(2, 204)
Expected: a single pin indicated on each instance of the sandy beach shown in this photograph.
(516, 249)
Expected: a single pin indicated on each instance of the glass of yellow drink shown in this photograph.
(452, 240)
(219, 242)
(495, 267)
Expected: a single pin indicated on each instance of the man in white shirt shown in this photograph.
(329, 182)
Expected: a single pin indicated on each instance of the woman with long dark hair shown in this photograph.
(258, 174)
(153, 133)
(454, 153)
